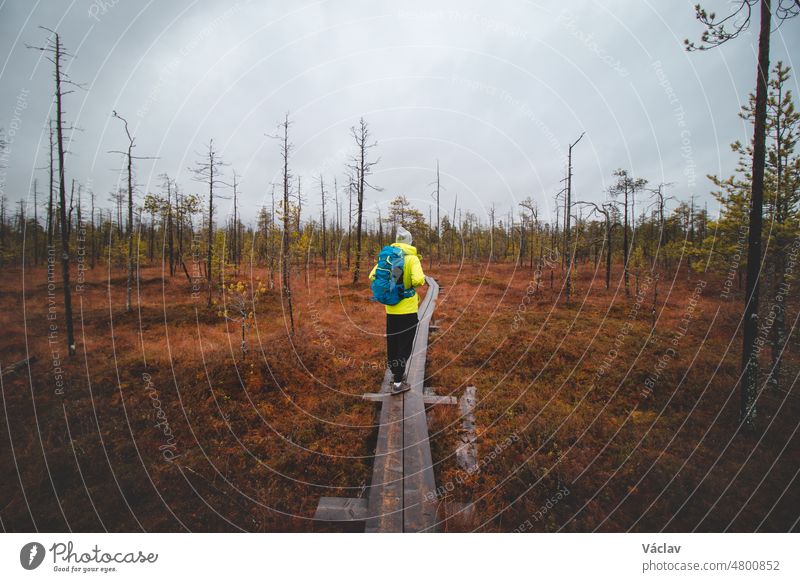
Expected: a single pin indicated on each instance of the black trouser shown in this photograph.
(400, 332)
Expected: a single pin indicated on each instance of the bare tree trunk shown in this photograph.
(360, 214)
(438, 221)
(338, 215)
(210, 243)
(52, 191)
(362, 169)
(235, 230)
(625, 241)
(324, 233)
(62, 193)
(454, 227)
(170, 237)
(567, 217)
(128, 153)
(286, 148)
(349, 222)
(35, 223)
(750, 323)
(93, 244)
(608, 253)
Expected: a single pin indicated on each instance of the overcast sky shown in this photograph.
(493, 90)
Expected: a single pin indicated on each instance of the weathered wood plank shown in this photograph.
(434, 399)
(467, 450)
(419, 486)
(341, 509)
(385, 510)
(375, 396)
(428, 398)
(402, 493)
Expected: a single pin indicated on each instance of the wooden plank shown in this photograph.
(419, 499)
(428, 398)
(341, 509)
(419, 486)
(434, 399)
(401, 495)
(374, 396)
(385, 508)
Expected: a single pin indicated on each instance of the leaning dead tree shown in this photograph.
(129, 157)
(56, 54)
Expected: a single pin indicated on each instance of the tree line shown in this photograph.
(638, 228)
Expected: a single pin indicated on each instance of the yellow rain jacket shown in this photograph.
(412, 277)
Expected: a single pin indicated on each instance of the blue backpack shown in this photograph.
(387, 288)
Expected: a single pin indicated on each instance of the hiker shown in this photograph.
(398, 272)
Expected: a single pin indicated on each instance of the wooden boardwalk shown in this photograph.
(401, 497)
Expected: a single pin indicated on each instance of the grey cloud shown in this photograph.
(494, 91)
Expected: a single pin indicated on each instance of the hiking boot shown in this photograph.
(401, 387)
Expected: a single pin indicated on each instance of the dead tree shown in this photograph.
(350, 186)
(272, 242)
(208, 170)
(169, 209)
(454, 227)
(606, 211)
(52, 187)
(129, 157)
(568, 213)
(362, 168)
(324, 248)
(55, 53)
(436, 197)
(35, 223)
(626, 186)
(529, 205)
(235, 234)
(337, 210)
(286, 148)
(660, 203)
(492, 213)
(93, 244)
(299, 203)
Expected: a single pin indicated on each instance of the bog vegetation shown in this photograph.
(192, 370)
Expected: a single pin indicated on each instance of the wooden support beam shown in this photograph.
(467, 450)
(375, 396)
(433, 399)
(427, 398)
(419, 485)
